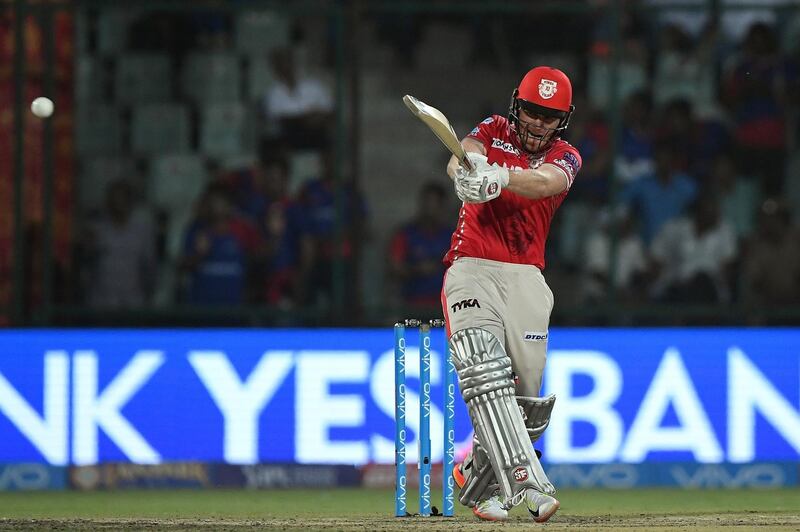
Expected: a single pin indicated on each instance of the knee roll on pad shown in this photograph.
(536, 412)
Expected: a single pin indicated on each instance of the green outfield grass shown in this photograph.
(362, 509)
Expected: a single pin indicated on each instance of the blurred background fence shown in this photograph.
(251, 163)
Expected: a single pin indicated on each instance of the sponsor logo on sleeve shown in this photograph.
(467, 303)
(569, 163)
(474, 131)
(488, 120)
(535, 336)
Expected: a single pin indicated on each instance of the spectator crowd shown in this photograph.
(694, 201)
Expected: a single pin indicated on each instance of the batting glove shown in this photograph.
(482, 185)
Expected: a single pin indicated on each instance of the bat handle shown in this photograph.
(466, 164)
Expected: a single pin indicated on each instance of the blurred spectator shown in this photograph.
(417, 248)
(683, 68)
(697, 141)
(219, 249)
(261, 194)
(661, 196)
(771, 270)
(588, 132)
(690, 20)
(753, 90)
(282, 226)
(254, 187)
(694, 256)
(634, 157)
(298, 106)
(735, 18)
(632, 68)
(675, 127)
(327, 241)
(121, 250)
(738, 194)
(629, 261)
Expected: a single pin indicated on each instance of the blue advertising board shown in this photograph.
(326, 396)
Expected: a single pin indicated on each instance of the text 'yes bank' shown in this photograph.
(326, 396)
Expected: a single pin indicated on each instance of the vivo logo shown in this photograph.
(621, 476)
(720, 476)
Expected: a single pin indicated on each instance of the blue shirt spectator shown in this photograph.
(220, 277)
(417, 249)
(635, 152)
(661, 196)
(324, 250)
(217, 250)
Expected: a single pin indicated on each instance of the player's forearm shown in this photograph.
(452, 166)
(537, 183)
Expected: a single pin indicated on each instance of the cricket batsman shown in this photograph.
(495, 299)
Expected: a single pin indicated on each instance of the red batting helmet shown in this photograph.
(543, 91)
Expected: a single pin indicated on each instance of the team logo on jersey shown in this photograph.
(505, 146)
(535, 336)
(467, 303)
(520, 474)
(547, 88)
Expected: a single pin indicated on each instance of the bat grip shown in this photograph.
(466, 164)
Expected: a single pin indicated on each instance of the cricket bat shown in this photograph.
(438, 123)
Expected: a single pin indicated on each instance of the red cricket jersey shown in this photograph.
(511, 228)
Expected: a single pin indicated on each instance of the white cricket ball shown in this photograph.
(42, 107)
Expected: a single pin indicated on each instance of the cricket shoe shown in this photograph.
(541, 506)
(489, 510)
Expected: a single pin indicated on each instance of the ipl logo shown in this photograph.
(547, 88)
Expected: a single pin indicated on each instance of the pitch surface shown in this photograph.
(370, 510)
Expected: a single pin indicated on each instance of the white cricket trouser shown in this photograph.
(511, 301)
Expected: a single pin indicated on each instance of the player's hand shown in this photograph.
(481, 185)
(467, 186)
(478, 161)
